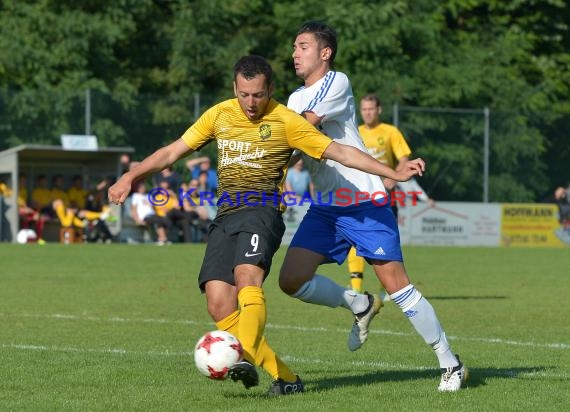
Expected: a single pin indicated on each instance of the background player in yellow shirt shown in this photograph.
(255, 137)
(387, 145)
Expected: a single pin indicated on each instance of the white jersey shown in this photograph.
(142, 205)
(331, 98)
(410, 186)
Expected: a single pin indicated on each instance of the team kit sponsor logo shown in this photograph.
(243, 153)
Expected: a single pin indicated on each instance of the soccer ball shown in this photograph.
(216, 352)
(26, 236)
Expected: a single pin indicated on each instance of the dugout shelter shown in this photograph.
(34, 160)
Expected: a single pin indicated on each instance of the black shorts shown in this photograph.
(251, 235)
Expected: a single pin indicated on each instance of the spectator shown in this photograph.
(204, 182)
(298, 180)
(172, 177)
(183, 218)
(72, 214)
(562, 199)
(76, 194)
(196, 213)
(58, 189)
(143, 213)
(5, 190)
(201, 164)
(126, 161)
(29, 217)
(42, 196)
(163, 211)
(98, 213)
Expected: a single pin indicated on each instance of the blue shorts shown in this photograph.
(332, 230)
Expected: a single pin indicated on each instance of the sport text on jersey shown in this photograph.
(235, 151)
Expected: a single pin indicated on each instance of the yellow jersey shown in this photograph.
(5, 190)
(171, 203)
(253, 154)
(41, 197)
(57, 193)
(385, 143)
(77, 197)
(22, 197)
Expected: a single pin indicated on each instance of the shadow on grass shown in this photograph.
(477, 377)
(465, 297)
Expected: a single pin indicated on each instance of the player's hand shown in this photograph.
(412, 168)
(389, 184)
(119, 192)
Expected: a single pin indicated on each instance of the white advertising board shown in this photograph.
(451, 223)
(469, 224)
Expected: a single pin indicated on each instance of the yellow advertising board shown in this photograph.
(532, 225)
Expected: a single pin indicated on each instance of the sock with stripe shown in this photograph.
(423, 318)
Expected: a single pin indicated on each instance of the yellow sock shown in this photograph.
(230, 324)
(356, 269)
(356, 282)
(252, 319)
(250, 327)
(65, 218)
(77, 222)
(89, 215)
(355, 262)
(268, 360)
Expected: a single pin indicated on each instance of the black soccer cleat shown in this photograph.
(280, 387)
(245, 372)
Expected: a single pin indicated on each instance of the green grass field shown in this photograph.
(112, 328)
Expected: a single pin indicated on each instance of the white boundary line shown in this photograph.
(314, 361)
(489, 341)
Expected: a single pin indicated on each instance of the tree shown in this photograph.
(145, 60)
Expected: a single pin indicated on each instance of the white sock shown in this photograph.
(423, 318)
(321, 290)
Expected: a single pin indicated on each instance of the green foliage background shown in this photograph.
(145, 61)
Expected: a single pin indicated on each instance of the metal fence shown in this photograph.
(483, 116)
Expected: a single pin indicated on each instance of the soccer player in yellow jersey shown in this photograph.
(387, 145)
(255, 137)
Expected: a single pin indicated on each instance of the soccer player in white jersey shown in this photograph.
(328, 231)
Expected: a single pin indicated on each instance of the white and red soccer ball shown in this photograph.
(26, 236)
(216, 352)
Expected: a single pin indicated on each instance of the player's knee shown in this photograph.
(286, 283)
(220, 309)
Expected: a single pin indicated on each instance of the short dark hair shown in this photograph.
(253, 65)
(325, 35)
(371, 97)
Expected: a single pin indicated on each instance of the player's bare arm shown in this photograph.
(159, 160)
(390, 183)
(312, 118)
(352, 157)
